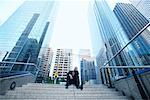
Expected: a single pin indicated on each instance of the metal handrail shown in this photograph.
(140, 32)
(8, 62)
(30, 64)
(141, 89)
(125, 66)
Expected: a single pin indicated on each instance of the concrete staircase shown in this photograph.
(36, 91)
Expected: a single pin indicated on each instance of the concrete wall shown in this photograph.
(20, 80)
(129, 87)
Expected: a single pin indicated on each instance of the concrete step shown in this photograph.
(62, 87)
(61, 84)
(56, 85)
(53, 89)
(23, 96)
(35, 91)
(49, 86)
(69, 98)
(63, 92)
(66, 94)
(70, 88)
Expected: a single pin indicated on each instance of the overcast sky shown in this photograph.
(71, 29)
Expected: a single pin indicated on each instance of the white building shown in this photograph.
(63, 63)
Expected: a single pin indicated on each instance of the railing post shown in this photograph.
(102, 76)
(140, 88)
(110, 84)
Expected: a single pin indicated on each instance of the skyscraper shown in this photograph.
(26, 49)
(112, 36)
(13, 27)
(125, 35)
(25, 29)
(136, 28)
(143, 6)
(132, 22)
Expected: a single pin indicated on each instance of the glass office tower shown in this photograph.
(132, 22)
(88, 71)
(24, 32)
(112, 35)
(143, 6)
(124, 47)
(125, 34)
(13, 27)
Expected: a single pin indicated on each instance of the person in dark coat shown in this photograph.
(73, 78)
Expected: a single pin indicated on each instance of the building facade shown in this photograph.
(125, 34)
(87, 66)
(63, 63)
(83, 54)
(13, 27)
(112, 35)
(143, 6)
(101, 59)
(132, 22)
(45, 62)
(25, 29)
(88, 72)
(116, 33)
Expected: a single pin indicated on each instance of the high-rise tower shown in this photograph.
(143, 6)
(132, 22)
(26, 30)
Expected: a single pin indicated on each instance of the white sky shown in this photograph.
(71, 29)
(7, 7)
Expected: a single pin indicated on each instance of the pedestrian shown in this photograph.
(73, 78)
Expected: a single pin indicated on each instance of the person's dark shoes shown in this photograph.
(66, 87)
(81, 87)
(77, 87)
